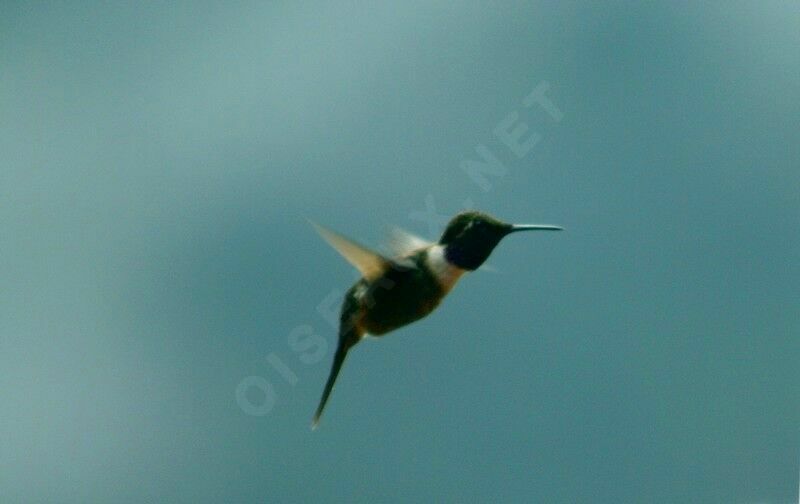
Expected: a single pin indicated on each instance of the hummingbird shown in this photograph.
(395, 291)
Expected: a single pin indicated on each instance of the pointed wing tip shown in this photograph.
(315, 424)
(488, 268)
(368, 262)
(313, 224)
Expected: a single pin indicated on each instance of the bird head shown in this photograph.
(470, 237)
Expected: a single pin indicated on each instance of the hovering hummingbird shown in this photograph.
(396, 291)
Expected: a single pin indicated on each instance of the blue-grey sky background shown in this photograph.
(159, 161)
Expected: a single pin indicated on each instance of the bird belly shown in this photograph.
(398, 298)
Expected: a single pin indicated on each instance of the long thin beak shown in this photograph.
(534, 227)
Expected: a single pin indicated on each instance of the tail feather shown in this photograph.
(349, 335)
(338, 360)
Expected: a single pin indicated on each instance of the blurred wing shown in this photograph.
(403, 243)
(369, 263)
